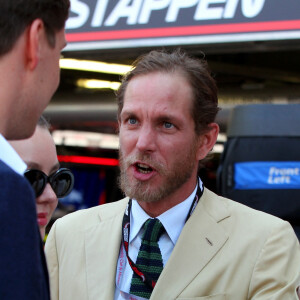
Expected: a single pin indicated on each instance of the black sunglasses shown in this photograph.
(62, 181)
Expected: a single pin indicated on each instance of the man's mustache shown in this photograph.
(142, 158)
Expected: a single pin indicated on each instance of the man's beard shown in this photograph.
(179, 173)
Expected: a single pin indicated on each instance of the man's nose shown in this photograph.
(146, 139)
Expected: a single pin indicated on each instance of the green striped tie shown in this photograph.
(149, 260)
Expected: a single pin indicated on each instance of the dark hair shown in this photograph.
(205, 102)
(16, 15)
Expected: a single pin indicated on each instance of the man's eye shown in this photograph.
(132, 121)
(168, 125)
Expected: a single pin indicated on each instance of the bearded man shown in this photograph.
(170, 238)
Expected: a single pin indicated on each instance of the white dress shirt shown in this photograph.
(173, 221)
(10, 157)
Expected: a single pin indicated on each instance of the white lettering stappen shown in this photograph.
(139, 11)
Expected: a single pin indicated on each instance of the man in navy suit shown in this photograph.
(31, 39)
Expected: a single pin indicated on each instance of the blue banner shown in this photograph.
(267, 175)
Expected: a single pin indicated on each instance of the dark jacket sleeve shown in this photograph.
(23, 271)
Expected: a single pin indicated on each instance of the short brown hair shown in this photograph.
(205, 104)
(16, 15)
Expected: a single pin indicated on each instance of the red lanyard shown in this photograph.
(126, 231)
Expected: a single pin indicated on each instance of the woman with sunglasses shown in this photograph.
(47, 179)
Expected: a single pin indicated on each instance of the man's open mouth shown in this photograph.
(142, 168)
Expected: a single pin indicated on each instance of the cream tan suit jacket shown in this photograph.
(225, 251)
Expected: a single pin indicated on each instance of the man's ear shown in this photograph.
(207, 141)
(35, 37)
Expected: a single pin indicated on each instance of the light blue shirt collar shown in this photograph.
(173, 219)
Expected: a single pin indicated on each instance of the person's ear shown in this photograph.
(35, 38)
(207, 141)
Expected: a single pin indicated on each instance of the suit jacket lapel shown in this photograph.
(201, 238)
(102, 245)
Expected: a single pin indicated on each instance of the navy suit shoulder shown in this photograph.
(23, 270)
